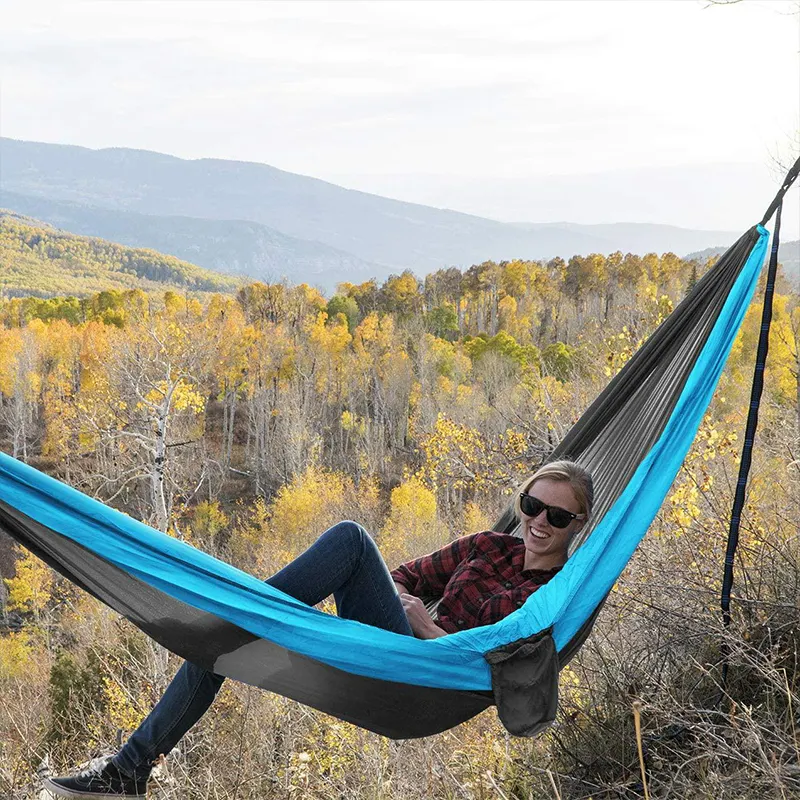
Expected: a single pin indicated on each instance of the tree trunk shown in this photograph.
(157, 493)
(231, 415)
(493, 312)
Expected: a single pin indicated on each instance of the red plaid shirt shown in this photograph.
(479, 578)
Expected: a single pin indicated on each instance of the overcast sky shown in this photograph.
(500, 109)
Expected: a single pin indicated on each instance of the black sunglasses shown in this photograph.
(557, 517)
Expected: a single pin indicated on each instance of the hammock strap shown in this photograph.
(750, 431)
(791, 177)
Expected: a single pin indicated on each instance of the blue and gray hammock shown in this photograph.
(633, 439)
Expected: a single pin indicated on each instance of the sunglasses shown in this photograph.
(557, 517)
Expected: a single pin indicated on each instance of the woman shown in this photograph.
(480, 579)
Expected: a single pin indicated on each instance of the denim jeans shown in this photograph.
(343, 562)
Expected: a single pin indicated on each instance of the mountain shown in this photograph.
(788, 256)
(234, 247)
(390, 234)
(36, 259)
(725, 195)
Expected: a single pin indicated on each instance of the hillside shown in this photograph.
(370, 228)
(233, 247)
(36, 259)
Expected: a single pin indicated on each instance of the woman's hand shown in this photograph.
(418, 617)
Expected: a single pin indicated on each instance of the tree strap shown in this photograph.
(752, 416)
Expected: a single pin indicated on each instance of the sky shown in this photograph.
(671, 111)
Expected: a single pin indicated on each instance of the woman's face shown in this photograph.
(545, 545)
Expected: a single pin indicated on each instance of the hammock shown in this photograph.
(633, 439)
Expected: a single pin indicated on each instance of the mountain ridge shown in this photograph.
(389, 235)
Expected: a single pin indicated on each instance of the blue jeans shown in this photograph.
(343, 562)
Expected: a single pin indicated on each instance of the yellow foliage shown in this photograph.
(120, 706)
(368, 492)
(476, 518)
(352, 423)
(445, 385)
(208, 520)
(16, 654)
(304, 508)
(271, 355)
(459, 456)
(11, 343)
(780, 374)
(308, 296)
(61, 351)
(32, 586)
(329, 341)
(414, 396)
(98, 407)
(572, 690)
(687, 512)
(20, 354)
(373, 337)
(249, 534)
(395, 368)
(184, 396)
(412, 526)
(464, 394)
(336, 746)
(619, 348)
(233, 339)
(507, 311)
(444, 358)
(332, 336)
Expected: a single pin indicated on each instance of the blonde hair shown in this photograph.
(578, 478)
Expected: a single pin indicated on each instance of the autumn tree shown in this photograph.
(148, 401)
(400, 295)
(342, 304)
(232, 341)
(20, 384)
(366, 295)
(442, 321)
(61, 375)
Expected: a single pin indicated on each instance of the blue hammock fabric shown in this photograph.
(460, 662)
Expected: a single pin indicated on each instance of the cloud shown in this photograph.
(496, 90)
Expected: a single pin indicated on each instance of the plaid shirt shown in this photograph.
(479, 578)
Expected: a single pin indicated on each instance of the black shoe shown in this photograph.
(102, 780)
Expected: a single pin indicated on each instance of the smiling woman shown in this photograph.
(482, 578)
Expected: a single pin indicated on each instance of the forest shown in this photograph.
(247, 421)
(37, 259)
